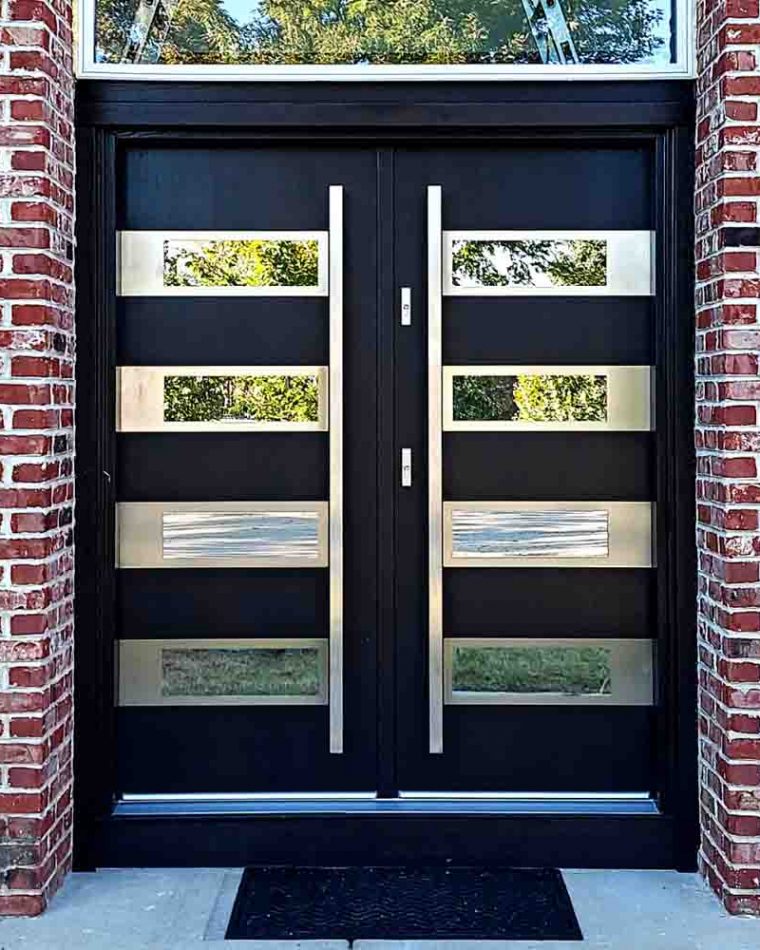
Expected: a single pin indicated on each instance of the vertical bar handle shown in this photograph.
(435, 460)
(336, 470)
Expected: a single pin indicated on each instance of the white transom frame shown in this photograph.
(684, 67)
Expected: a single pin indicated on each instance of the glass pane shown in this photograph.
(240, 263)
(568, 670)
(241, 399)
(486, 534)
(276, 534)
(530, 398)
(529, 263)
(245, 672)
(291, 32)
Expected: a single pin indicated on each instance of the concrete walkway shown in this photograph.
(185, 909)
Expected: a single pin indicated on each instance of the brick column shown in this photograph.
(36, 444)
(728, 443)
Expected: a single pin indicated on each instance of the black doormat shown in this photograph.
(402, 904)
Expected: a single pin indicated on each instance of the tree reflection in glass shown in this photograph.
(292, 32)
(241, 263)
(529, 263)
(530, 397)
(241, 399)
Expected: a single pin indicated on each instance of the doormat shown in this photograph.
(402, 904)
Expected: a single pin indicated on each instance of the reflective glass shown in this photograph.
(567, 670)
(363, 32)
(263, 671)
(241, 399)
(241, 263)
(529, 263)
(530, 397)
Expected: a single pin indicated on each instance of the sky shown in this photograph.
(240, 9)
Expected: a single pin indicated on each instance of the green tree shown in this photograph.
(238, 263)
(551, 398)
(380, 31)
(579, 263)
(242, 398)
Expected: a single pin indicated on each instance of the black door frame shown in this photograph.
(111, 114)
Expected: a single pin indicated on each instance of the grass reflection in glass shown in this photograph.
(568, 670)
(241, 399)
(241, 263)
(254, 672)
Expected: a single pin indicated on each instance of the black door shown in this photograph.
(230, 615)
(527, 615)
(388, 458)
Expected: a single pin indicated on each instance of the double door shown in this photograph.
(386, 488)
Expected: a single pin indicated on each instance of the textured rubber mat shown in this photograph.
(402, 904)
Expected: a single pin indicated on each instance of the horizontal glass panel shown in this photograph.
(548, 263)
(222, 534)
(210, 398)
(530, 398)
(218, 263)
(258, 672)
(271, 534)
(572, 671)
(548, 534)
(546, 671)
(228, 672)
(367, 32)
(484, 533)
(235, 263)
(580, 398)
(529, 263)
(243, 398)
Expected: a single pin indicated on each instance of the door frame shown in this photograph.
(111, 115)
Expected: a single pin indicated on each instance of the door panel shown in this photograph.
(282, 745)
(540, 743)
(598, 465)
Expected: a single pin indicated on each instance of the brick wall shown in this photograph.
(728, 443)
(36, 419)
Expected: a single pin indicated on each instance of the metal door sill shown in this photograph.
(409, 803)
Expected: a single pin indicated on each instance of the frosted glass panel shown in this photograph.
(214, 534)
(552, 533)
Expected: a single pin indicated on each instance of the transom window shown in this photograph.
(404, 39)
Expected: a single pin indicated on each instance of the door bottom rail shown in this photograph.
(408, 803)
